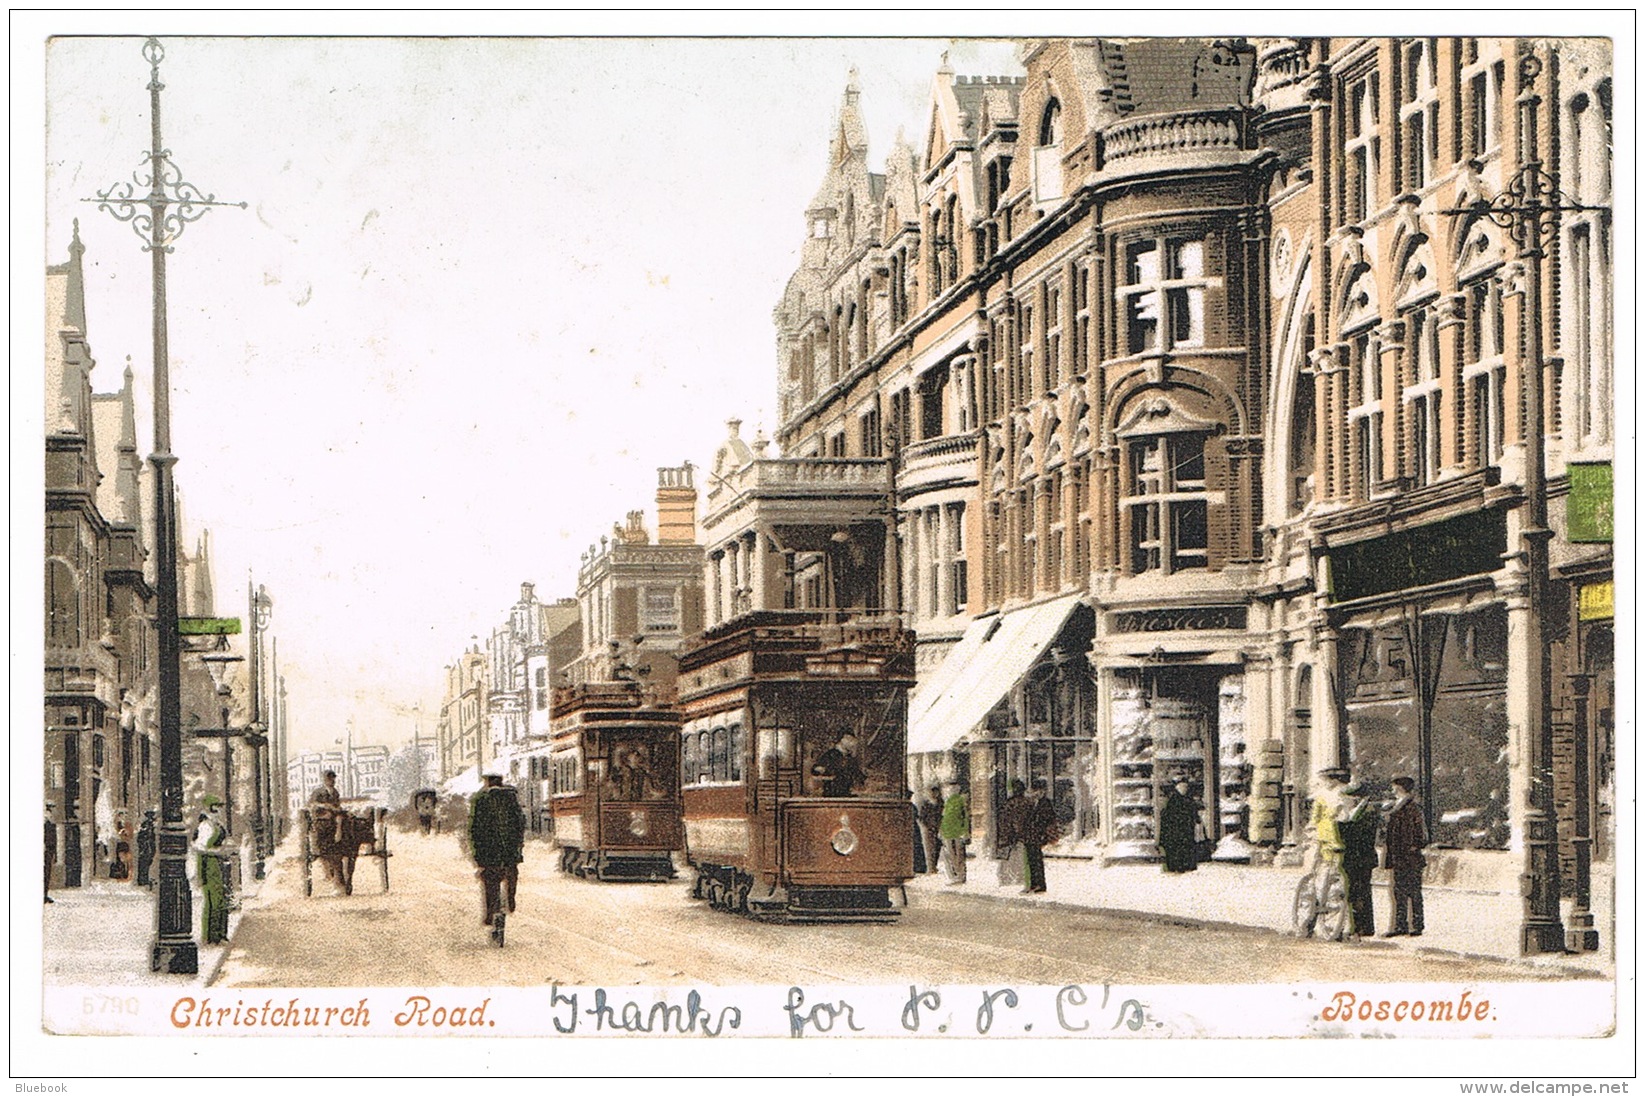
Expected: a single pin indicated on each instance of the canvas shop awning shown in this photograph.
(992, 657)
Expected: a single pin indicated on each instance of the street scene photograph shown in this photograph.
(922, 541)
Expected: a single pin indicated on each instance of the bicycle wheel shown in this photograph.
(1304, 908)
(1334, 916)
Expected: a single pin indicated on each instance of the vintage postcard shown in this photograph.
(971, 546)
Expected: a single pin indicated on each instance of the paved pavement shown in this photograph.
(1459, 921)
(102, 934)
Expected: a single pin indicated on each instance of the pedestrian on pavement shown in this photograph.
(1328, 808)
(211, 872)
(145, 850)
(1407, 835)
(1358, 830)
(956, 831)
(919, 842)
(1176, 828)
(929, 810)
(496, 838)
(120, 866)
(841, 773)
(1039, 829)
(1008, 844)
(51, 849)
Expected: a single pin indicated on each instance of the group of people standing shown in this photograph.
(1027, 824)
(1347, 821)
(120, 863)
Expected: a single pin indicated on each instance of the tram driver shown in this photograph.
(837, 767)
(632, 780)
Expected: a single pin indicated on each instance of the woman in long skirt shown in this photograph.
(208, 839)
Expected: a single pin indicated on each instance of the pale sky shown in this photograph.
(482, 290)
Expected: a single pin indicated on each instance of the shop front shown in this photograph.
(1177, 723)
(1014, 700)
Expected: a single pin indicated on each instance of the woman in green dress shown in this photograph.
(208, 840)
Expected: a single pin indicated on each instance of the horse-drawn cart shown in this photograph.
(335, 837)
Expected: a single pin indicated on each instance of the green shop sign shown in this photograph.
(208, 626)
(1589, 510)
(1472, 544)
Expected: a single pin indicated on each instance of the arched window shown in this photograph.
(1051, 123)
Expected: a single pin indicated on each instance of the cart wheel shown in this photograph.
(1333, 908)
(1304, 909)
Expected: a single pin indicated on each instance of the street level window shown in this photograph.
(1167, 504)
(1163, 299)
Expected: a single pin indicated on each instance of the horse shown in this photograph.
(337, 836)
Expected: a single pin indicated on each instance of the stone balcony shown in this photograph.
(1180, 139)
(812, 489)
(950, 460)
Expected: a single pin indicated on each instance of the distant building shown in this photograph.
(639, 601)
(462, 728)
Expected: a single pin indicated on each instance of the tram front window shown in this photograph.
(632, 777)
(837, 772)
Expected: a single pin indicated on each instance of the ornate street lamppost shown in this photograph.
(159, 217)
(262, 610)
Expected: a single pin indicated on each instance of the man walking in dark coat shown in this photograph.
(145, 850)
(1359, 856)
(1037, 829)
(1407, 835)
(51, 851)
(496, 837)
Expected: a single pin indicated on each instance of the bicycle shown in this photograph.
(1320, 906)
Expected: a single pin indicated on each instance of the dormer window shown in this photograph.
(1047, 171)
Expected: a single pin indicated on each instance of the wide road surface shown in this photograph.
(426, 931)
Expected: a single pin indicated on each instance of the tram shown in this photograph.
(792, 765)
(614, 801)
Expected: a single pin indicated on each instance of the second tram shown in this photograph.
(614, 783)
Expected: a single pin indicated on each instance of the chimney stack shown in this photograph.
(676, 506)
